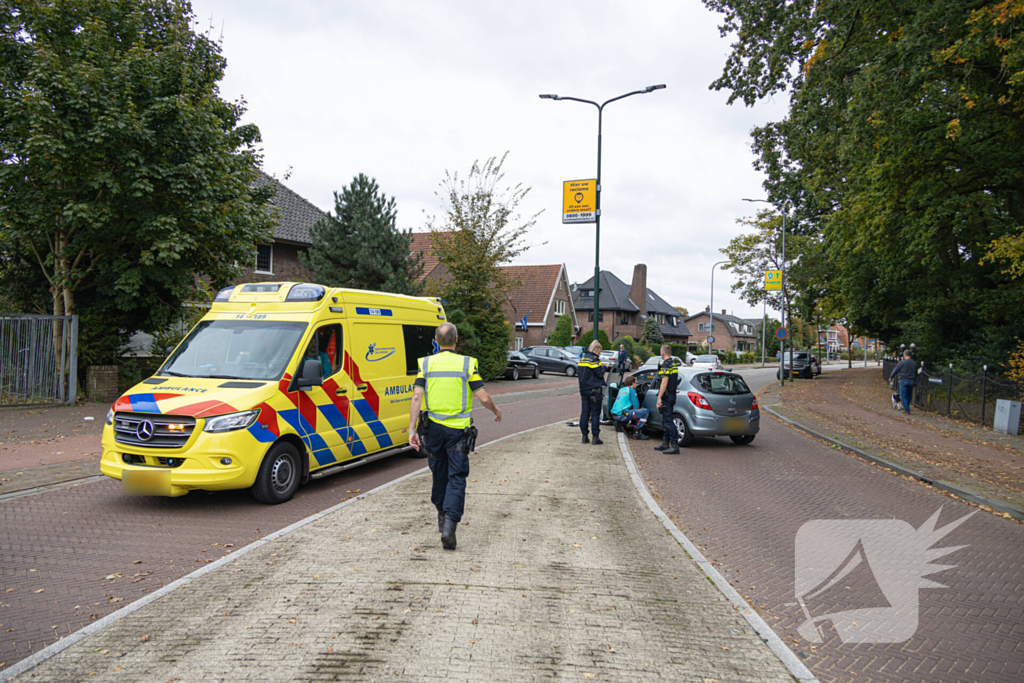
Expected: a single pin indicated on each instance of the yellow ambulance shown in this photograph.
(279, 383)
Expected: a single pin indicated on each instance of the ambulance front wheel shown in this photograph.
(279, 475)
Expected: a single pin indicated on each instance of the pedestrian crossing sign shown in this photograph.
(773, 280)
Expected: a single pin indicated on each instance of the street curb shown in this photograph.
(81, 634)
(792, 663)
(959, 492)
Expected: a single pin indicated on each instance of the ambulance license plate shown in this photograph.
(148, 482)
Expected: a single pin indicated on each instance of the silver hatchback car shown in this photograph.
(717, 403)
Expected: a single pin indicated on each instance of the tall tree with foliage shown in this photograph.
(562, 334)
(359, 246)
(652, 332)
(903, 153)
(123, 171)
(478, 231)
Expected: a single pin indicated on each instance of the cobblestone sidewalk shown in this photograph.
(561, 573)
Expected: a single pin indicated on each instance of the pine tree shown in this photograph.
(652, 332)
(359, 246)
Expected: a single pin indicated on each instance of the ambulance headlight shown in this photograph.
(110, 416)
(231, 422)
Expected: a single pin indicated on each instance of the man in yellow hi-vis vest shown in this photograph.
(448, 382)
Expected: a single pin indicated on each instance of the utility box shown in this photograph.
(1007, 416)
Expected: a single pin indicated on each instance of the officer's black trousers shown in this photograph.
(590, 415)
(668, 422)
(449, 468)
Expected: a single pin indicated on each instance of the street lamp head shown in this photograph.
(550, 97)
(652, 88)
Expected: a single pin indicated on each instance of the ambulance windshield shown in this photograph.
(235, 349)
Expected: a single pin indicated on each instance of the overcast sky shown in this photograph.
(402, 91)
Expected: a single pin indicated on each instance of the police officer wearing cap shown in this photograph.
(591, 375)
(668, 373)
(445, 387)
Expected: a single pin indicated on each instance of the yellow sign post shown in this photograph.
(773, 280)
(579, 201)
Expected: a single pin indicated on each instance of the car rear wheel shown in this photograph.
(515, 374)
(570, 371)
(685, 435)
(278, 478)
(742, 440)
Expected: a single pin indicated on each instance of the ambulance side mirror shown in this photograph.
(312, 375)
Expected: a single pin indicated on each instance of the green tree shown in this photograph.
(124, 173)
(652, 332)
(359, 246)
(480, 230)
(602, 338)
(562, 334)
(900, 155)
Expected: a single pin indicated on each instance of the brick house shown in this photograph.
(433, 269)
(625, 308)
(278, 260)
(730, 332)
(543, 298)
(837, 337)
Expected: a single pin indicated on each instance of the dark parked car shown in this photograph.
(554, 359)
(802, 365)
(520, 366)
(717, 403)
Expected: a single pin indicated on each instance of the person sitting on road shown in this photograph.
(627, 409)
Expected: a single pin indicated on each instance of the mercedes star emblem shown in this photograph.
(144, 431)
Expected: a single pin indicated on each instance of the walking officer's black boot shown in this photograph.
(448, 533)
(672, 449)
(440, 521)
(663, 446)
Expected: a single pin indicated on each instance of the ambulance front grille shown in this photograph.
(163, 431)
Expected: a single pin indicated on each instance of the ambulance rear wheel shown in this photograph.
(279, 475)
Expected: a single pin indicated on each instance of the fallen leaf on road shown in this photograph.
(39, 591)
(8, 590)
(144, 638)
(292, 621)
(588, 675)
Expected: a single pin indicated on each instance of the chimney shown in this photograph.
(707, 309)
(638, 290)
(723, 312)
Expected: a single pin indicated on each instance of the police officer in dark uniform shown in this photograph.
(668, 372)
(448, 382)
(591, 376)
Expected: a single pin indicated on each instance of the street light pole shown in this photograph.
(764, 324)
(782, 342)
(597, 200)
(711, 334)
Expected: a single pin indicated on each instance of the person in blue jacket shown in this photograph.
(627, 407)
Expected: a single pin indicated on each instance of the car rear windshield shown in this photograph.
(721, 383)
(235, 349)
(706, 359)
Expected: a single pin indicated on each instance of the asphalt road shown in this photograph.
(72, 555)
(744, 506)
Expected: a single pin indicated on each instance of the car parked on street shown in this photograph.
(520, 366)
(717, 403)
(575, 350)
(708, 361)
(654, 361)
(554, 359)
(802, 366)
(609, 359)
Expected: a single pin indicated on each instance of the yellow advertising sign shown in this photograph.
(579, 201)
(773, 280)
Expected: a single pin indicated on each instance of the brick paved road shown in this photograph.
(65, 542)
(744, 505)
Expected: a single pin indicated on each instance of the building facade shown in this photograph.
(543, 297)
(624, 309)
(730, 332)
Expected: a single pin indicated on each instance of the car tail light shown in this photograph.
(753, 404)
(698, 400)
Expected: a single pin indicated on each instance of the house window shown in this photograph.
(559, 307)
(265, 258)
(600, 316)
(624, 320)
(705, 327)
(519, 343)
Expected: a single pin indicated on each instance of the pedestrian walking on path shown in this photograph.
(906, 370)
(669, 374)
(591, 375)
(620, 357)
(445, 387)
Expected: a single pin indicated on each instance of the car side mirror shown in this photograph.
(312, 375)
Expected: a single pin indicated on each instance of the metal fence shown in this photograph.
(966, 397)
(38, 359)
